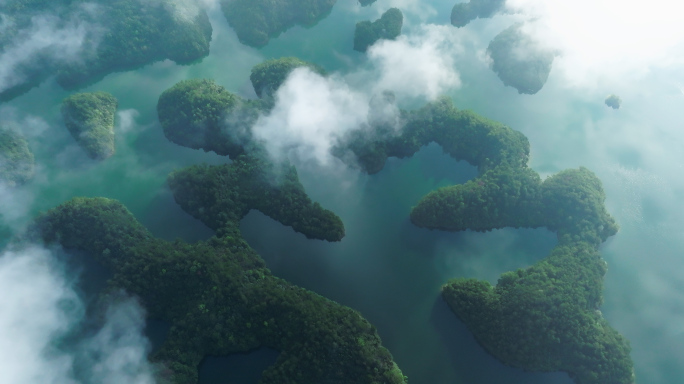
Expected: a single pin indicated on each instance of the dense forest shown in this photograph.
(16, 159)
(117, 35)
(257, 21)
(220, 298)
(89, 117)
(387, 27)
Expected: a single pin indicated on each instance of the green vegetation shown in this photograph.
(200, 114)
(16, 159)
(268, 76)
(220, 299)
(613, 101)
(464, 135)
(388, 26)
(90, 120)
(256, 21)
(365, 3)
(119, 35)
(545, 317)
(220, 196)
(519, 61)
(464, 13)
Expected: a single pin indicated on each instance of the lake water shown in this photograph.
(385, 267)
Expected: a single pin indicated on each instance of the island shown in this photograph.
(464, 13)
(16, 159)
(365, 3)
(200, 114)
(218, 296)
(519, 61)
(257, 21)
(542, 318)
(196, 114)
(121, 35)
(613, 101)
(268, 76)
(89, 117)
(388, 27)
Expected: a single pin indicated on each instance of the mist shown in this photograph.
(44, 333)
(312, 113)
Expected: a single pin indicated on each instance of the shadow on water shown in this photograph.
(238, 368)
(465, 354)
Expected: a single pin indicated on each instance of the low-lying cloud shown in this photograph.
(313, 112)
(49, 41)
(605, 40)
(40, 309)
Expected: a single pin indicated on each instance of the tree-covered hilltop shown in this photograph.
(220, 299)
(257, 21)
(545, 317)
(613, 101)
(464, 135)
(519, 61)
(388, 27)
(268, 76)
(200, 114)
(464, 13)
(90, 120)
(220, 196)
(570, 203)
(16, 159)
(118, 35)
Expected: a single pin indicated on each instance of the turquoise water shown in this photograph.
(386, 268)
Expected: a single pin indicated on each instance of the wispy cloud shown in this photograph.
(40, 308)
(606, 40)
(312, 112)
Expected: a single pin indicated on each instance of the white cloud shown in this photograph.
(45, 39)
(420, 65)
(40, 308)
(312, 112)
(606, 40)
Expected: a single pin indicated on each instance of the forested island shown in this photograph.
(388, 27)
(613, 101)
(200, 114)
(118, 35)
(268, 76)
(257, 21)
(16, 159)
(89, 117)
(464, 13)
(519, 61)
